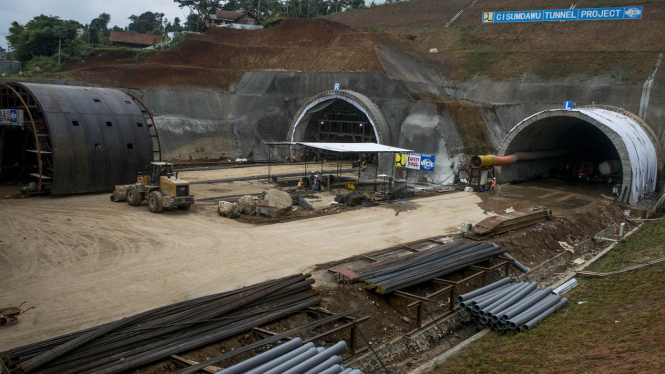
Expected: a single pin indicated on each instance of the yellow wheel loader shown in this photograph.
(161, 188)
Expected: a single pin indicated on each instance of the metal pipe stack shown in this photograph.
(504, 307)
(295, 358)
(389, 276)
(156, 334)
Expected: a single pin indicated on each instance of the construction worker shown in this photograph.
(493, 187)
(302, 156)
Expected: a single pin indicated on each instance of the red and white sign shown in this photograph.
(413, 162)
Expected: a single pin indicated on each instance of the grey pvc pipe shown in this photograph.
(335, 369)
(527, 299)
(346, 371)
(263, 357)
(293, 362)
(529, 325)
(479, 298)
(532, 312)
(517, 264)
(524, 305)
(471, 303)
(280, 360)
(334, 360)
(525, 312)
(492, 299)
(302, 367)
(518, 288)
(512, 300)
(482, 290)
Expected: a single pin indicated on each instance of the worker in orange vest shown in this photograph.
(493, 187)
(302, 156)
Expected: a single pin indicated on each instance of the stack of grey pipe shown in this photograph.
(294, 357)
(504, 307)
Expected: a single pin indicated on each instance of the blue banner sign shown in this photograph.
(427, 162)
(633, 12)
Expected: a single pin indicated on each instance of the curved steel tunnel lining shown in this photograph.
(636, 150)
(107, 148)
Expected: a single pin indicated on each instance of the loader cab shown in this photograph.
(159, 169)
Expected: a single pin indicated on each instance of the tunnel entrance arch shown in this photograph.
(327, 101)
(586, 133)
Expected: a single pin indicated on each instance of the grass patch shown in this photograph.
(643, 246)
(616, 328)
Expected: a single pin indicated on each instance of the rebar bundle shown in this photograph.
(510, 307)
(389, 276)
(156, 334)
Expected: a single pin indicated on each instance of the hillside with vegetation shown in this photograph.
(622, 51)
(625, 50)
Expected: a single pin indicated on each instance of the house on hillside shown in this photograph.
(134, 40)
(225, 17)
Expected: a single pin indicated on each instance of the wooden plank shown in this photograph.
(268, 332)
(207, 369)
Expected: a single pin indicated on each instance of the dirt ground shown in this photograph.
(84, 261)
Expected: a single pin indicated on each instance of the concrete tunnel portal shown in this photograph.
(592, 135)
(339, 116)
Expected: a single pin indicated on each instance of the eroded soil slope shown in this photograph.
(217, 59)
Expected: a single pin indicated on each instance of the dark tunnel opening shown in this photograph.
(336, 121)
(592, 158)
(339, 122)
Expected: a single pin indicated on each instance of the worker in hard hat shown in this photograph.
(493, 186)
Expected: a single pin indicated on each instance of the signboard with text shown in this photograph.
(11, 117)
(631, 12)
(415, 161)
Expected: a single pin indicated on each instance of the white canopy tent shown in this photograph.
(348, 147)
(342, 148)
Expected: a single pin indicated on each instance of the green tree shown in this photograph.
(146, 23)
(200, 9)
(177, 27)
(43, 35)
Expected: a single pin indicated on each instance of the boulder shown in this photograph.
(278, 202)
(247, 205)
(228, 209)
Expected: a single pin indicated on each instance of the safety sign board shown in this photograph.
(631, 12)
(416, 161)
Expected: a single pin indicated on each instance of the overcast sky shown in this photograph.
(82, 11)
